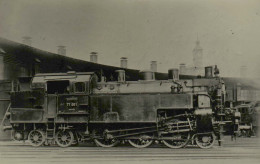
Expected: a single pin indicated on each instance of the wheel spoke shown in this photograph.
(36, 137)
(142, 142)
(64, 138)
(178, 141)
(205, 141)
(106, 142)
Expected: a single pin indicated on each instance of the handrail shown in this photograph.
(6, 113)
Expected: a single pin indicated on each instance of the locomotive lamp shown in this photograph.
(216, 71)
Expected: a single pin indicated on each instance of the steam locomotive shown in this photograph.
(68, 108)
(248, 119)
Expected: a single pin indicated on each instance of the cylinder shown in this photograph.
(147, 75)
(208, 71)
(173, 74)
(120, 75)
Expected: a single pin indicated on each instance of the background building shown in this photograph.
(197, 67)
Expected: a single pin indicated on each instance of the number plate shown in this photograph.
(72, 104)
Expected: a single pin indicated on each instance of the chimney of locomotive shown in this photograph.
(209, 72)
(62, 50)
(182, 69)
(173, 74)
(93, 57)
(120, 75)
(123, 61)
(27, 40)
(154, 66)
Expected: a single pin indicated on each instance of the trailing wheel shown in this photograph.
(64, 138)
(142, 142)
(36, 137)
(176, 141)
(205, 141)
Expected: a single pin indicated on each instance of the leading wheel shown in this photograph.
(36, 137)
(176, 141)
(142, 142)
(64, 138)
(205, 141)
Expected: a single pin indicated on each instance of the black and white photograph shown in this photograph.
(129, 81)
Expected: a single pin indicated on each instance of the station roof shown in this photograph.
(23, 55)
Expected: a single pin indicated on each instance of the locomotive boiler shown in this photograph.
(67, 108)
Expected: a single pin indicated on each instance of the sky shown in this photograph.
(141, 30)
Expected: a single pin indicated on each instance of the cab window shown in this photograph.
(79, 87)
(58, 87)
(243, 110)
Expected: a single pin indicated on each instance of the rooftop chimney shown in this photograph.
(120, 75)
(154, 66)
(62, 50)
(182, 69)
(27, 40)
(123, 62)
(243, 71)
(93, 57)
(173, 74)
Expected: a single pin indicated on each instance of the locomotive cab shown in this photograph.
(54, 100)
(68, 92)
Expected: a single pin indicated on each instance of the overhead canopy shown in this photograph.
(26, 56)
(23, 55)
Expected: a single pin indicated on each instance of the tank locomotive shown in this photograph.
(67, 108)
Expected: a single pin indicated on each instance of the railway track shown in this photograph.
(243, 150)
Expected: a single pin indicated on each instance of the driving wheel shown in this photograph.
(36, 137)
(141, 142)
(64, 138)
